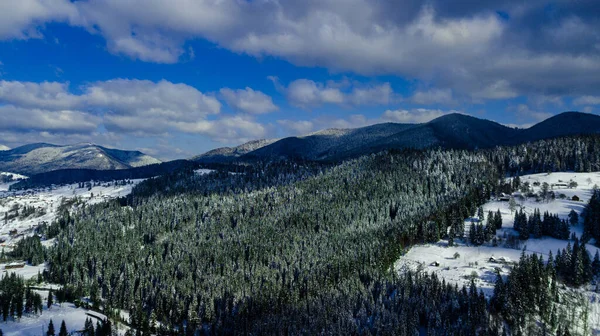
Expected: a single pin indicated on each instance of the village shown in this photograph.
(462, 263)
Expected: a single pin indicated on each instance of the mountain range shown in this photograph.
(41, 157)
(449, 131)
(330, 145)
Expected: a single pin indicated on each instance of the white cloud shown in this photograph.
(21, 19)
(62, 121)
(306, 93)
(297, 127)
(433, 96)
(419, 115)
(3, 148)
(524, 112)
(500, 89)
(587, 100)
(125, 106)
(248, 100)
(468, 48)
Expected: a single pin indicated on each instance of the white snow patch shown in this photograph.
(474, 261)
(203, 171)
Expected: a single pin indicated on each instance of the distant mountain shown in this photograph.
(3, 148)
(567, 123)
(449, 131)
(326, 144)
(41, 157)
(227, 154)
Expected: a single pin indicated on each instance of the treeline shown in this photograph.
(480, 233)
(303, 250)
(70, 176)
(591, 219)
(29, 249)
(574, 264)
(534, 226)
(17, 299)
(530, 303)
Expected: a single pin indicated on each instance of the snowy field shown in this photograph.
(45, 203)
(474, 261)
(36, 325)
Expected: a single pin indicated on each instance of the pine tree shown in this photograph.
(498, 220)
(63, 329)
(88, 328)
(573, 217)
(596, 264)
(50, 331)
(50, 299)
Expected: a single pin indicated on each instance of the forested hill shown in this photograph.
(456, 131)
(68, 176)
(308, 254)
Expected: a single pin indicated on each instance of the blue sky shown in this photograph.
(177, 78)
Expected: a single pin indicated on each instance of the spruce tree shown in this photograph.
(50, 299)
(50, 331)
(63, 329)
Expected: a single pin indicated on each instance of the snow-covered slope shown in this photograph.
(225, 154)
(3, 148)
(39, 158)
(473, 261)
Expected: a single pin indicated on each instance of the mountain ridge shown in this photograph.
(42, 157)
(454, 130)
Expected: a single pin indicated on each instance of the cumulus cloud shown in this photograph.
(419, 115)
(307, 93)
(22, 19)
(122, 106)
(587, 100)
(467, 47)
(297, 127)
(524, 112)
(433, 96)
(248, 100)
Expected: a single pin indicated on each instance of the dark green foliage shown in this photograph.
(591, 219)
(529, 290)
(279, 250)
(30, 249)
(16, 299)
(535, 227)
(63, 329)
(50, 331)
(292, 248)
(574, 265)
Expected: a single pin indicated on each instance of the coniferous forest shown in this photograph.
(306, 248)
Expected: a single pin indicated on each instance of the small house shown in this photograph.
(575, 198)
(13, 265)
(504, 197)
(13, 232)
(504, 260)
(560, 185)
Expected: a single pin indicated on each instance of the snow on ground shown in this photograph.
(16, 177)
(46, 202)
(27, 272)
(474, 262)
(36, 325)
(203, 171)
